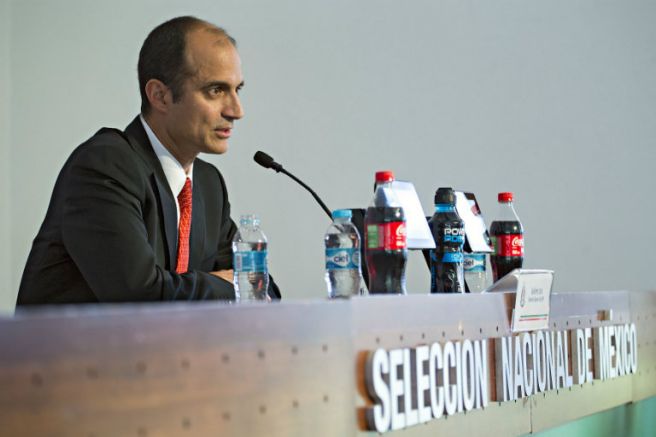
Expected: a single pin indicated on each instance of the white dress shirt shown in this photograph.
(175, 174)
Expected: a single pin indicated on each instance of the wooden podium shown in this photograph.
(293, 368)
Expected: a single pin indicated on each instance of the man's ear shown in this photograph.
(159, 95)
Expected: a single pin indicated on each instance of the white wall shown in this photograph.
(555, 100)
(6, 273)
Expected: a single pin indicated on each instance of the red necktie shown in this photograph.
(184, 200)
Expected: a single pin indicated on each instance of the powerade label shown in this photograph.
(454, 235)
(342, 259)
(250, 261)
(508, 245)
(453, 239)
(474, 262)
(386, 236)
(442, 207)
(452, 257)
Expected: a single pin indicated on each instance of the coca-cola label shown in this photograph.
(509, 245)
(386, 236)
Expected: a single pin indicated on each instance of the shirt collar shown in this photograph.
(173, 170)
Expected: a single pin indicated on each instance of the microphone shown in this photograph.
(268, 162)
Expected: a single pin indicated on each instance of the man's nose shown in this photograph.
(233, 109)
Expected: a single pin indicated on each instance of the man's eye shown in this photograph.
(215, 91)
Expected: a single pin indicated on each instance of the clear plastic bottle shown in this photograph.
(475, 272)
(249, 248)
(342, 240)
(386, 249)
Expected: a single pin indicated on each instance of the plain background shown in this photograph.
(554, 100)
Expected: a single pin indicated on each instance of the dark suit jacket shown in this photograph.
(110, 233)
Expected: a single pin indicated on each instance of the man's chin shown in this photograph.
(217, 148)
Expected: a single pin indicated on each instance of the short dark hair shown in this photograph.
(162, 55)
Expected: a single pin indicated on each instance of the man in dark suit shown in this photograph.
(135, 215)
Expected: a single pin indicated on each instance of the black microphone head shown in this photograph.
(266, 161)
(263, 159)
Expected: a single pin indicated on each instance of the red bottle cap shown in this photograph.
(384, 176)
(505, 197)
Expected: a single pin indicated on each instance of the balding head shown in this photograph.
(163, 55)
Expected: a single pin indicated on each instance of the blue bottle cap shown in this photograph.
(249, 219)
(342, 213)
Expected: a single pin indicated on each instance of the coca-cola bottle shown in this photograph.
(446, 260)
(507, 236)
(386, 251)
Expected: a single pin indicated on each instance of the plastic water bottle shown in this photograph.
(342, 240)
(475, 276)
(249, 248)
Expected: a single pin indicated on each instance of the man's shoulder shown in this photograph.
(109, 139)
(105, 146)
(108, 155)
(109, 136)
(206, 169)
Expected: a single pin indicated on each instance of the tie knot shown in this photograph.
(184, 198)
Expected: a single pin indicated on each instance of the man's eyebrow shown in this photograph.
(221, 84)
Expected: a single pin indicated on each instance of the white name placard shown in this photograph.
(532, 302)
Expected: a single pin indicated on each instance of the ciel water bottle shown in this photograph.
(342, 240)
(475, 272)
(249, 248)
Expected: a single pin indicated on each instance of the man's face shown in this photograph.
(202, 120)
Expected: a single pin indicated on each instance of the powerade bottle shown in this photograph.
(342, 240)
(249, 248)
(386, 249)
(507, 236)
(446, 259)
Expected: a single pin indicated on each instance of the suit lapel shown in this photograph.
(169, 216)
(196, 239)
